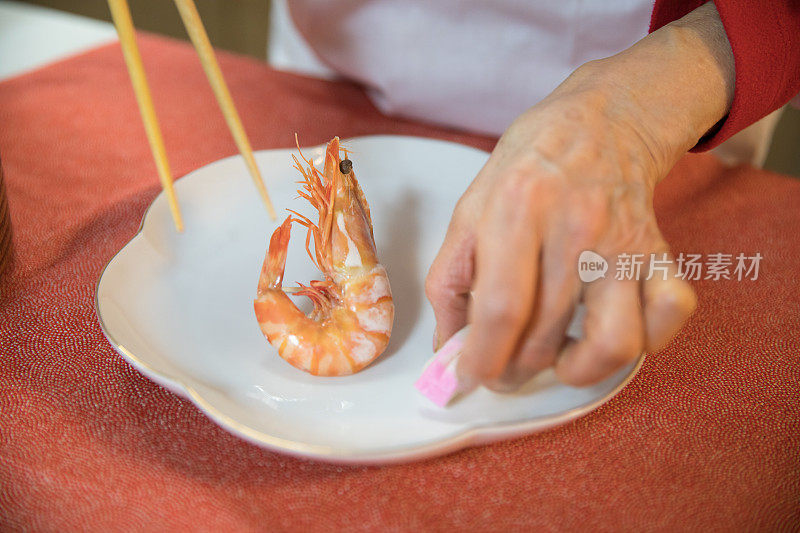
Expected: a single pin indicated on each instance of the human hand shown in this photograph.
(575, 172)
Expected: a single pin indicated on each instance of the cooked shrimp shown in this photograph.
(353, 310)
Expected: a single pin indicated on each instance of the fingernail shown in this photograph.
(466, 381)
(502, 387)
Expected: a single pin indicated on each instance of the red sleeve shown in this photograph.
(765, 39)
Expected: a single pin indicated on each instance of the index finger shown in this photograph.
(507, 256)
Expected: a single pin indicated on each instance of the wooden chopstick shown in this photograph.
(127, 38)
(197, 33)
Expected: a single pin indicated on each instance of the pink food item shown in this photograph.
(439, 381)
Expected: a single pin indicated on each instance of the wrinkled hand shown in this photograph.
(577, 172)
(564, 178)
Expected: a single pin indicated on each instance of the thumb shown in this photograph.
(448, 284)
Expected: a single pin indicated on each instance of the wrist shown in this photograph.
(670, 88)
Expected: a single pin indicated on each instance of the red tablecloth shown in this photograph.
(706, 437)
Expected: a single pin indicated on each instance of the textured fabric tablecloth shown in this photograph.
(706, 437)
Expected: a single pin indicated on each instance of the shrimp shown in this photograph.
(353, 313)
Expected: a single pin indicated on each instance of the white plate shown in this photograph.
(179, 308)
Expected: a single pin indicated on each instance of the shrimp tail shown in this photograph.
(275, 261)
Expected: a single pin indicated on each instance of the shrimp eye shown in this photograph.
(345, 166)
